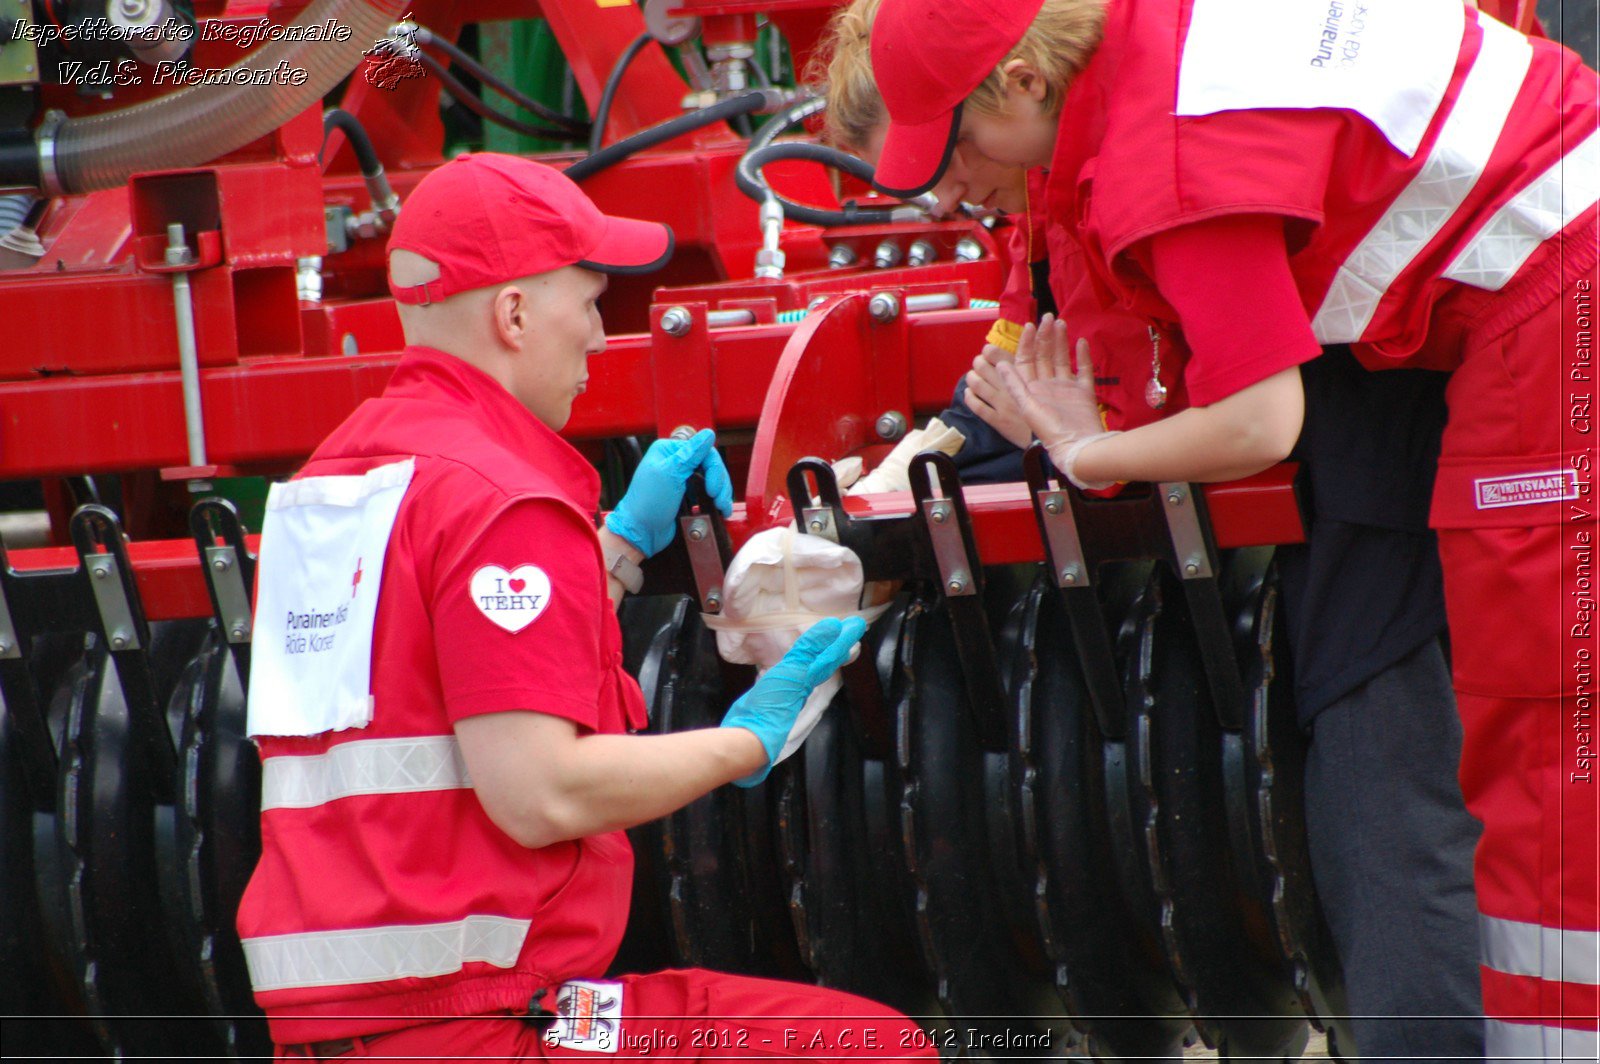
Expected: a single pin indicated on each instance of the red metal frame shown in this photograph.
(92, 385)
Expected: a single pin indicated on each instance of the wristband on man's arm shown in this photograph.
(623, 569)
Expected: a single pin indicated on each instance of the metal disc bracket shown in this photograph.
(1194, 559)
(948, 532)
(103, 555)
(230, 571)
(1072, 570)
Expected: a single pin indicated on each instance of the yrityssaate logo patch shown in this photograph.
(1525, 489)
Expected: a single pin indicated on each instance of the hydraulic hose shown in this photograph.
(197, 124)
(609, 93)
(754, 184)
(384, 201)
(576, 128)
(721, 111)
(472, 102)
(356, 134)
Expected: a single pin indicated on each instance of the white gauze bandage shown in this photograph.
(781, 583)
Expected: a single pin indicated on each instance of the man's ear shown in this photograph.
(1022, 76)
(510, 311)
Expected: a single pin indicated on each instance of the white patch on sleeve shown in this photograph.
(588, 1017)
(512, 598)
(1388, 61)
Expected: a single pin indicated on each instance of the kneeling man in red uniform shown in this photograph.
(437, 686)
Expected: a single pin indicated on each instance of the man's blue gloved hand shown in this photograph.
(770, 707)
(647, 516)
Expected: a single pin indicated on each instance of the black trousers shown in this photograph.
(1391, 854)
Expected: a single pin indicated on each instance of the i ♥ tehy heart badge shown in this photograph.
(511, 598)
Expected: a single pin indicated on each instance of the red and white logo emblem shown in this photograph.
(1525, 489)
(511, 598)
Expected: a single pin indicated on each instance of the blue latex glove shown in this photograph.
(770, 707)
(647, 516)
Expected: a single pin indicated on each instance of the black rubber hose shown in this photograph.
(348, 124)
(461, 58)
(19, 160)
(753, 184)
(472, 103)
(607, 95)
(721, 111)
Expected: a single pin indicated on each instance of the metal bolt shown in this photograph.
(886, 255)
(683, 432)
(1175, 497)
(713, 600)
(956, 585)
(940, 514)
(968, 250)
(921, 253)
(222, 563)
(119, 642)
(100, 572)
(818, 524)
(697, 531)
(841, 257)
(1053, 504)
(883, 307)
(237, 631)
(1191, 568)
(891, 425)
(676, 321)
(177, 252)
(1069, 575)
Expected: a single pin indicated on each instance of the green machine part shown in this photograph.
(525, 54)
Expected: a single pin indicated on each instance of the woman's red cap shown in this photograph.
(927, 57)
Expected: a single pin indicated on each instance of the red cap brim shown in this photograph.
(630, 246)
(915, 155)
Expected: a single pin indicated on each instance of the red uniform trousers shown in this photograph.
(1520, 588)
(690, 1014)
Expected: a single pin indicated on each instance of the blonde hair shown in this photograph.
(1058, 44)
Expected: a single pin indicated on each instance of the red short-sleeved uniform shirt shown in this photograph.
(492, 599)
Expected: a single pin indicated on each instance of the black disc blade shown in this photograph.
(1121, 996)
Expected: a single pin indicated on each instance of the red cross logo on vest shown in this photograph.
(355, 581)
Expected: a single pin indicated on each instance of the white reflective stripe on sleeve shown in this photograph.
(375, 954)
(1518, 948)
(1534, 215)
(1423, 207)
(368, 766)
(1522, 1043)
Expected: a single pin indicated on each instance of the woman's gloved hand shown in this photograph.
(647, 515)
(770, 707)
(1056, 398)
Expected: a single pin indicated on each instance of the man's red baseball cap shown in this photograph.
(927, 57)
(487, 219)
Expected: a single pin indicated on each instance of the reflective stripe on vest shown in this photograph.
(1424, 206)
(369, 766)
(1518, 948)
(1506, 1042)
(1548, 205)
(375, 954)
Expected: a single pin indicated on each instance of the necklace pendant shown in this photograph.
(1155, 393)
